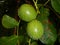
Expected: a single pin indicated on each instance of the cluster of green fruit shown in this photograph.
(27, 13)
(34, 27)
(38, 26)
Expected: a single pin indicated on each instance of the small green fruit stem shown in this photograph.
(35, 3)
(29, 41)
(18, 33)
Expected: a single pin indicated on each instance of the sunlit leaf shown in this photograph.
(12, 40)
(56, 5)
(9, 22)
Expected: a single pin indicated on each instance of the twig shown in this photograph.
(46, 2)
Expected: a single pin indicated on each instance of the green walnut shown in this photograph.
(35, 29)
(27, 12)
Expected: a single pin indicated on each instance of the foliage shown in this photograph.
(9, 22)
(56, 5)
(12, 40)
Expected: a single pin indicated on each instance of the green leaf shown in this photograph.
(50, 35)
(56, 5)
(44, 13)
(43, 17)
(12, 40)
(58, 1)
(9, 22)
